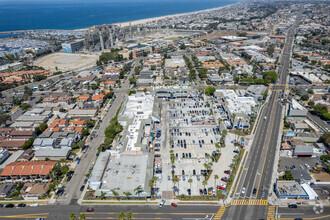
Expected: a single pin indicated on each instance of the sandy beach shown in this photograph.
(137, 22)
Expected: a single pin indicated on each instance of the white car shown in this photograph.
(243, 190)
(162, 203)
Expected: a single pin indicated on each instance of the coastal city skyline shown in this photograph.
(166, 109)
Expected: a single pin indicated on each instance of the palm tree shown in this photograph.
(129, 215)
(152, 182)
(73, 216)
(190, 181)
(82, 216)
(175, 180)
(217, 146)
(224, 133)
(121, 216)
(138, 189)
(103, 195)
(204, 183)
(115, 193)
(127, 194)
(215, 180)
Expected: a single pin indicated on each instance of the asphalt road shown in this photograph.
(111, 212)
(255, 182)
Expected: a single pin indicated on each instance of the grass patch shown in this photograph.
(197, 198)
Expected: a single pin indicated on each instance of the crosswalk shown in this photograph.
(271, 213)
(249, 202)
(220, 212)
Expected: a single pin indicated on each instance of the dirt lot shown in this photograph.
(66, 62)
(323, 177)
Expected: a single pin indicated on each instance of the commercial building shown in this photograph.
(72, 46)
(296, 110)
(124, 173)
(289, 190)
(255, 91)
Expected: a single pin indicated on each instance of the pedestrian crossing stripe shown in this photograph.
(271, 213)
(249, 202)
(220, 212)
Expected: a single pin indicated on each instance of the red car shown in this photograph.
(221, 187)
(90, 210)
(227, 172)
(173, 204)
(225, 179)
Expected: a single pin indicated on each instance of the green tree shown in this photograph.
(288, 175)
(121, 216)
(138, 190)
(82, 216)
(102, 196)
(4, 118)
(210, 90)
(204, 183)
(115, 193)
(130, 55)
(73, 216)
(129, 215)
(25, 106)
(325, 138)
(190, 181)
(28, 144)
(304, 97)
(216, 177)
(85, 132)
(89, 124)
(127, 194)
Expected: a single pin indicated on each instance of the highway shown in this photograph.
(250, 201)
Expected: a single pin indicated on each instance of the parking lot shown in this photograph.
(192, 134)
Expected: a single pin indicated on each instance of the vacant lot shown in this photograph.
(66, 62)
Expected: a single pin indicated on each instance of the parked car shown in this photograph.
(82, 188)
(162, 203)
(9, 206)
(21, 205)
(69, 178)
(224, 179)
(227, 172)
(254, 191)
(1, 205)
(307, 166)
(189, 192)
(200, 192)
(243, 190)
(292, 206)
(174, 204)
(90, 210)
(85, 181)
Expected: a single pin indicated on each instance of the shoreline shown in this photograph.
(126, 23)
(145, 20)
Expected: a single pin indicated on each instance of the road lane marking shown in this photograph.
(263, 166)
(220, 212)
(271, 213)
(252, 202)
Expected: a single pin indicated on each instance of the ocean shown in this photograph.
(28, 15)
